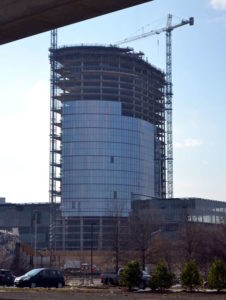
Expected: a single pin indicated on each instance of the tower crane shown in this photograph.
(168, 91)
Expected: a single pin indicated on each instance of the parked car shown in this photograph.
(6, 277)
(110, 278)
(114, 278)
(41, 278)
(145, 280)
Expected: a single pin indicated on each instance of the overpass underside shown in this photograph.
(23, 18)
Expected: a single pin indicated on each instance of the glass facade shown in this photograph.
(106, 159)
(114, 75)
(75, 232)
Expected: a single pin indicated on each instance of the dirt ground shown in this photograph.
(99, 294)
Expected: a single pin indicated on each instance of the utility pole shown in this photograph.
(35, 236)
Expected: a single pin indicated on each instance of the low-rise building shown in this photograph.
(32, 221)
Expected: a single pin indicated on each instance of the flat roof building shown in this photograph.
(171, 214)
(2, 200)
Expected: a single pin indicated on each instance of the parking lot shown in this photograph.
(81, 288)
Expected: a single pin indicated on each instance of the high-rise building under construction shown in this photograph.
(108, 130)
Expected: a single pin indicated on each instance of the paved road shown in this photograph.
(59, 294)
(98, 294)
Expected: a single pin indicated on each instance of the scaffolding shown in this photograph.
(55, 143)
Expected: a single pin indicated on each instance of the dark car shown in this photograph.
(6, 277)
(145, 280)
(41, 278)
(114, 279)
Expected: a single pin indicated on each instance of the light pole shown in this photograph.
(91, 254)
(35, 244)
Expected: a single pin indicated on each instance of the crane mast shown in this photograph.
(168, 111)
(168, 92)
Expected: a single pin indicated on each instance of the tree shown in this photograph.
(131, 275)
(161, 278)
(188, 240)
(196, 241)
(190, 277)
(142, 227)
(117, 233)
(161, 248)
(219, 241)
(217, 275)
(8, 242)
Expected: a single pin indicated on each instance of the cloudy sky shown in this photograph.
(199, 104)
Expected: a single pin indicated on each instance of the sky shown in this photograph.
(199, 101)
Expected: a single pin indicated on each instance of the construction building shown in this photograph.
(107, 134)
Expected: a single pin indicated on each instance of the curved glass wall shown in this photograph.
(109, 74)
(107, 159)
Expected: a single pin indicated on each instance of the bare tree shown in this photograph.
(196, 241)
(161, 248)
(218, 238)
(143, 226)
(118, 232)
(188, 239)
(21, 262)
(8, 243)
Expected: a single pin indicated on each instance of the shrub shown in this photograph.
(131, 275)
(161, 277)
(217, 275)
(190, 277)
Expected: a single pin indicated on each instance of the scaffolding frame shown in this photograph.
(55, 143)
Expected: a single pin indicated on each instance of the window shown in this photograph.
(112, 159)
(44, 274)
(53, 273)
(115, 195)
